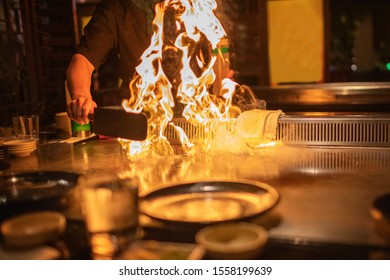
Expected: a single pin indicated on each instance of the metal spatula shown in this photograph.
(114, 121)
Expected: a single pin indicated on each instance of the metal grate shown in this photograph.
(360, 131)
(335, 131)
(197, 132)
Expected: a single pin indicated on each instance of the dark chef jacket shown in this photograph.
(118, 25)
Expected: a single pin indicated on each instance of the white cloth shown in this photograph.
(258, 126)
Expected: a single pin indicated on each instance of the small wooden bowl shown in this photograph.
(232, 241)
(32, 229)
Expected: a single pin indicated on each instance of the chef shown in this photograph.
(123, 26)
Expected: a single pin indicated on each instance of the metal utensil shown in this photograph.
(208, 202)
(114, 121)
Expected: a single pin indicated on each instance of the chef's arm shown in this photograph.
(78, 75)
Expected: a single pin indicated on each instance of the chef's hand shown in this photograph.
(79, 108)
(78, 75)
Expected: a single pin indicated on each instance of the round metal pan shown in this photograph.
(25, 191)
(209, 202)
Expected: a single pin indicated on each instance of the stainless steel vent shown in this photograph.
(337, 130)
(359, 131)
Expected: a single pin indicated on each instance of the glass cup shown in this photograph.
(110, 211)
(26, 126)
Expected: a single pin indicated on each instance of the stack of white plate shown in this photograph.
(21, 147)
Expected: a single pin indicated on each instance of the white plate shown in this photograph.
(21, 146)
(17, 149)
(20, 142)
(21, 149)
(21, 153)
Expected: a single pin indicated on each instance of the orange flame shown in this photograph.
(196, 32)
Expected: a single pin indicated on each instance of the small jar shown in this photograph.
(81, 130)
